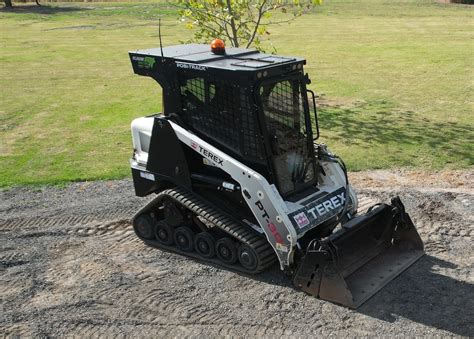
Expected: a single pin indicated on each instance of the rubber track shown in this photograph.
(219, 219)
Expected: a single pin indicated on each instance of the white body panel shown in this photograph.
(141, 135)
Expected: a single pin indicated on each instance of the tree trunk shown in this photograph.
(37, 2)
(235, 41)
(8, 3)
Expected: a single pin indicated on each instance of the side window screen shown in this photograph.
(212, 108)
(286, 125)
(223, 112)
(282, 103)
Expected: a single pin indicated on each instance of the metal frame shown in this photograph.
(315, 114)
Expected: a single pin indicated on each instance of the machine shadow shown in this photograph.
(380, 123)
(43, 9)
(426, 297)
(419, 294)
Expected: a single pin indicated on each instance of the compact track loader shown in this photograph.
(241, 181)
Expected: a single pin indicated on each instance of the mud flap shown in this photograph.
(362, 257)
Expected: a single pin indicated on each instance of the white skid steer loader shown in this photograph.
(241, 181)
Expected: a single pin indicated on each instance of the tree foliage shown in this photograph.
(243, 23)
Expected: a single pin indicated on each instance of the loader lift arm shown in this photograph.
(263, 200)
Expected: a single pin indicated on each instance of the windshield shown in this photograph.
(284, 105)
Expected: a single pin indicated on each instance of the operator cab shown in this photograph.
(251, 105)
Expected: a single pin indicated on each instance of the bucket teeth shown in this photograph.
(354, 263)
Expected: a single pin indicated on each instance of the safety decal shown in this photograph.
(144, 62)
(147, 175)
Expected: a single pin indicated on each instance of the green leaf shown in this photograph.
(237, 19)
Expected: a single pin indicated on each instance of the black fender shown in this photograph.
(166, 161)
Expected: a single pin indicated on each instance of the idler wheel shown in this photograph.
(173, 215)
(144, 226)
(204, 244)
(164, 233)
(226, 250)
(183, 238)
(247, 257)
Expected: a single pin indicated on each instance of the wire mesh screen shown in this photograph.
(283, 104)
(222, 112)
(285, 119)
(250, 135)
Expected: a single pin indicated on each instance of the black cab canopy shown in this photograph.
(198, 57)
(219, 96)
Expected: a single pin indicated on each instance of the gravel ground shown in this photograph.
(71, 265)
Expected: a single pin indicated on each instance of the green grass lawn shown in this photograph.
(397, 81)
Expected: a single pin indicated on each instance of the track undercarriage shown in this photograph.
(179, 221)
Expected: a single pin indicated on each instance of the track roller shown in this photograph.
(164, 233)
(144, 226)
(204, 244)
(184, 238)
(247, 257)
(226, 250)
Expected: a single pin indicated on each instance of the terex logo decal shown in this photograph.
(271, 226)
(214, 158)
(301, 219)
(327, 206)
(319, 210)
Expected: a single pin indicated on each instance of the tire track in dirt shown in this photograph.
(88, 275)
(117, 221)
(7, 225)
